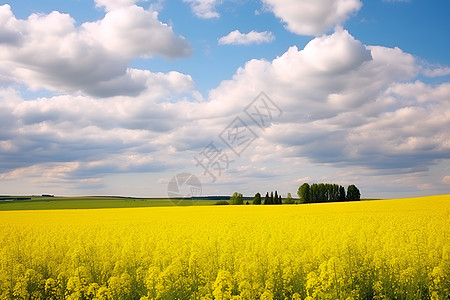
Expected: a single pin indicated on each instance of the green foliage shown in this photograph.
(273, 198)
(222, 202)
(277, 198)
(353, 193)
(304, 193)
(257, 199)
(326, 192)
(341, 193)
(289, 199)
(267, 199)
(237, 199)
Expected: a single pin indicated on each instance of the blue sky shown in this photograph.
(118, 96)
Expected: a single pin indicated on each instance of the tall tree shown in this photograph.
(237, 199)
(335, 193)
(304, 193)
(257, 199)
(353, 193)
(341, 193)
(275, 198)
(271, 197)
(314, 193)
(267, 199)
(321, 193)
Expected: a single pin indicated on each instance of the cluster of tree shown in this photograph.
(237, 199)
(315, 193)
(268, 200)
(326, 192)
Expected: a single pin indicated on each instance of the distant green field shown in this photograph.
(45, 203)
(86, 202)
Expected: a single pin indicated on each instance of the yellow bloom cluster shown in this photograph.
(388, 249)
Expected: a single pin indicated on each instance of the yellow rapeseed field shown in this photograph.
(387, 249)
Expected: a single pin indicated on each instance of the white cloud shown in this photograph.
(133, 31)
(313, 17)
(345, 104)
(205, 9)
(48, 51)
(101, 136)
(110, 5)
(336, 53)
(8, 34)
(253, 37)
(436, 72)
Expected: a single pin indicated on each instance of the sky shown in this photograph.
(126, 97)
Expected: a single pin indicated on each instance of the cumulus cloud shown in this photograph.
(8, 34)
(50, 52)
(253, 37)
(205, 9)
(345, 104)
(313, 17)
(133, 31)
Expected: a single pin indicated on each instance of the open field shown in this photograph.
(90, 202)
(381, 249)
(45, 203)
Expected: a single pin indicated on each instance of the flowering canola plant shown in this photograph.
(386, 249)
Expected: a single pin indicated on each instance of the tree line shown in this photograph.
(315, 193)
(268, 200)
(326, 192)
(238, 199)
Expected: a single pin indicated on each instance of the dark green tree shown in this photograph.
(304, 193)
(315, 195)
(326, 192)
(341, 193)
(275, 198)
(267, 199)
(353, 193)
(271, 197)
(321, 193)
(237, 199)
(257, 199)
(334, 193)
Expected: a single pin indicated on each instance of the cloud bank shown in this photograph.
(346, 105)
(358, 110)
